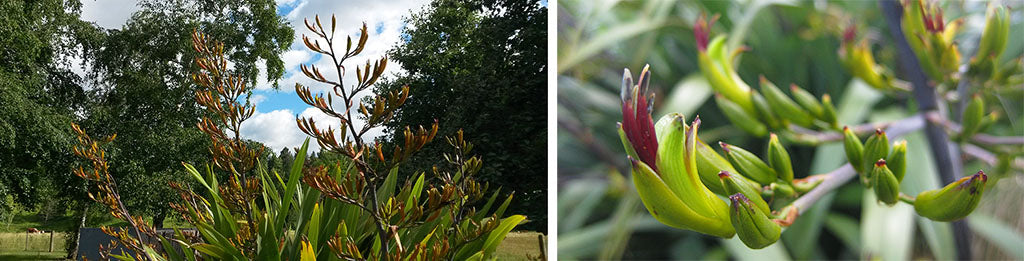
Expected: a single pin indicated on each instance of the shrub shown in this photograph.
(355, 209)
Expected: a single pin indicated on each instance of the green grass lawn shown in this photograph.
(519, 246)
(32, 255)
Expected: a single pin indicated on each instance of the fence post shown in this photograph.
(543, 247)
(51, 241)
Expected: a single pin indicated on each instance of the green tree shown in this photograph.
(481, 66)
(155, 117)
(39, 96)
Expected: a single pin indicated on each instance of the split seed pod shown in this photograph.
(952, 202)
(752, 225)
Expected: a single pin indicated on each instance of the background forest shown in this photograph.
(56, 68)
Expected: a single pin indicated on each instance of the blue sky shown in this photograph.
(274, 122)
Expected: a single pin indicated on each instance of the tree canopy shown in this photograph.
(39, 94)
(480, 66)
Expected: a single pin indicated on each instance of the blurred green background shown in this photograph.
(600, 215)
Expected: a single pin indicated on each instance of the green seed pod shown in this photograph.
(887, 187)
(807, 101)
(740, 117)
(973, 116)
(752, 225)
(764, 111)
(778, 158)
(994, 37)
(854, 150)
(897, 161)
(674, 164)
(749, 164)
(876, 148)
(782, 190)
(989, 119)
(732, 186)
(784, 106)
(669, 209)
(829, 114)
(952, 202)
(717, 68)
(709, 163)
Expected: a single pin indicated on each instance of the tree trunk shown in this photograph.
(158, 220)
(73, 254)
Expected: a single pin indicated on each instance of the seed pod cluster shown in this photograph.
(880, 165)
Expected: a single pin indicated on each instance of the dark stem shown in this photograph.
(927, 101)
(374, 208)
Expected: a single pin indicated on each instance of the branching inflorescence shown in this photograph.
(682, 181)
(353, 210)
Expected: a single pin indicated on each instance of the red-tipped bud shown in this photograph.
(702, 31)
(850, 34)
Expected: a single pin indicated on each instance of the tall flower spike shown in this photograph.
(637, 124)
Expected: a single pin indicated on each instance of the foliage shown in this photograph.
(480, 66)
(159, 112)
(353, 209)
(596, 41)
(39, 96)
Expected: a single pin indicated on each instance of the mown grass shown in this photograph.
(32, 255)
(519, 246)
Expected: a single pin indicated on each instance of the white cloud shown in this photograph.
(110, 14)
(256, 99)
(277, 128)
